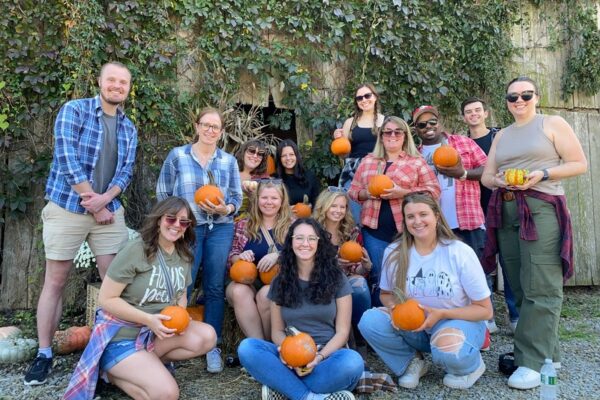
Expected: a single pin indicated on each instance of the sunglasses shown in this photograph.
(365, 96)
(253, 151)
(171, 220)
(392, 132)
(431, 122)
(335, 189)
(525, 95)
(273, 181)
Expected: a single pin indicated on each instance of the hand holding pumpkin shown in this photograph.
(267, 262)
(432, 317)
(396, 192)
(220, 208)
(155, 324)
(247, 255)
(455, 171)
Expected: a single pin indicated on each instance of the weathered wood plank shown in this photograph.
(594, 172)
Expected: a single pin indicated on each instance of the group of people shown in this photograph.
(424, 238)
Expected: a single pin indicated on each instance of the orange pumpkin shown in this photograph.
(196, 312)
(341, 146)
(73, 339)
(243, 272)
(445, 156)
(378, 184)
(267, 276)
(271, 165)
(298, 348)
(180, 318)
(351, 251)
(408, 315)
(515, 176)
(302, 210)
(210, 192)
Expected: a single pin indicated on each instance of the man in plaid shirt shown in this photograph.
(94, 152)
(460, 199)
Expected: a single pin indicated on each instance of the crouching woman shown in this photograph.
(313, 295)
(429, 264)
(129, 342)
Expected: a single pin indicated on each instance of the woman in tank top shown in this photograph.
(530, 224)
(361, 129)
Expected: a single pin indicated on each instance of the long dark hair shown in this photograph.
(325, 278)
(298, 168)
(150, 231)
(358, 111)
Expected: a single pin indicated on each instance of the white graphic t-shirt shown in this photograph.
(447, 185)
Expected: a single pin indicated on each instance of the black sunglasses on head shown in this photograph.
(525, 95)
(366, 96)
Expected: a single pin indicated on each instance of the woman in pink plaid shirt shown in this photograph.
(396, 156)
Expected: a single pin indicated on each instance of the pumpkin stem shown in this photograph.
(399, 296)
(305, 199)
(291, 331)
(211, 177)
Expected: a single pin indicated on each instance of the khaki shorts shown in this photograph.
(64, 232)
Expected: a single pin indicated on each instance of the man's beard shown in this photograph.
(111, 102)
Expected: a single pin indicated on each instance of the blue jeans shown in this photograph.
(361, 297)
(375, 247)
(340, 371)
(212, 250)
(355, 207)
(397, 347)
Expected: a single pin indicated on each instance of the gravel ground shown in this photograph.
(579, 377)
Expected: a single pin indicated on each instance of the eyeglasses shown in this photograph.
(336, 189)
(253, 151)
(312, 239)
(171, 220)
(208, 127)
(366, 96)
(525, 95)
(431, 122)
(394, 132)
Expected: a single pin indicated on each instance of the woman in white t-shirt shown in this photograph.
(429, 264)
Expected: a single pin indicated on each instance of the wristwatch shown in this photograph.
(546, 175)
(463, 177)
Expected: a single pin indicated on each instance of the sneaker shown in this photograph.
(38, 371)
(214, 364)
(487, 341)
(524, 378)
(170, 366)
(491, 326)
(416, 369)
(465, 381)
(341, 395)
(270, 394)
(513, 326)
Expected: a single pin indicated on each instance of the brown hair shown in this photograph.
(239, 156)
(358, 112)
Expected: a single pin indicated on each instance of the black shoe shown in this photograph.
(38, 371)
(170, 366)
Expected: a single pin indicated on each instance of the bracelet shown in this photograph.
(320, 354)
(464, 175)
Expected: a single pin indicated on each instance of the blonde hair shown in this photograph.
(284, 215)
(323, 204)
(408, 146)
(399, 257)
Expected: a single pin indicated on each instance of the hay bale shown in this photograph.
(232, 335)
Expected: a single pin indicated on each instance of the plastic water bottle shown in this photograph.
(549, 388)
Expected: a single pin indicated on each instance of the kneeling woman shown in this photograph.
(129, 341)
(258, 239)
(312, 294)
(429, 264)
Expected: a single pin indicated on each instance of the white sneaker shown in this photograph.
(214, 363)
(491, 325)
(416, 369)
(513, 326)
(465, 381)
(524, 378)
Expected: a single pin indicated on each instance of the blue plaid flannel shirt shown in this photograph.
(181, 175)
(77, 142)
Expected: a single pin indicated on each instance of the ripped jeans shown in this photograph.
(397, 348)
(361, 297)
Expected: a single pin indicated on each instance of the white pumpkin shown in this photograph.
(17, 350)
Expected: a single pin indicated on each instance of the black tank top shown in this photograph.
(363, 142)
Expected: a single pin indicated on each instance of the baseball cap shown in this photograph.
(422, 110)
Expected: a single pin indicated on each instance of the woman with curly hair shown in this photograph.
(332, 212)
(298, 181)
(258, 239)
(312, 294)
(361, 129)
(129, 342)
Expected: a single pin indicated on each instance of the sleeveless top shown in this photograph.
(363, 142)
(528, 147)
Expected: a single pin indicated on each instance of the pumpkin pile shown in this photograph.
(302, 210)
(209, 192)
(445, 156)
(72, 339)
(266, 277)
(14, 349)
(515, 176)
(180, 318)
(341, 146)
(406, 314)
(298, 348)
(243, 272)
(351, 251)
